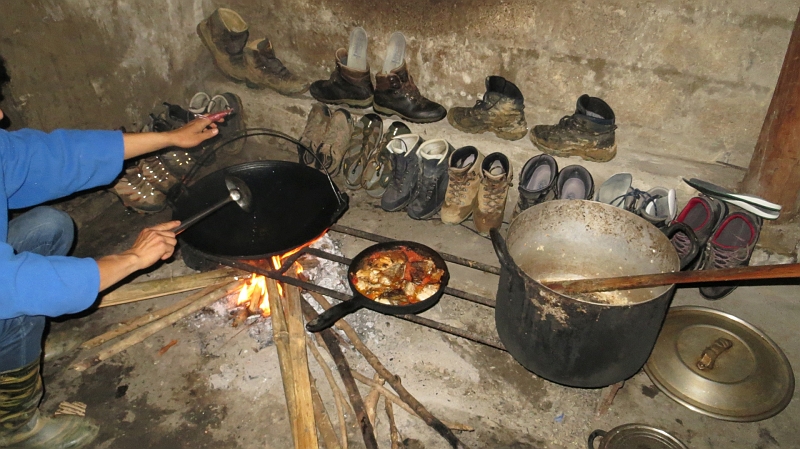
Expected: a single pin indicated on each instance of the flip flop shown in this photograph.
(357, 51)
(725, 194)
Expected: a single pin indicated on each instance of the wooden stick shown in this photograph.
(306, 426)
(394, 434)
(371, 400)
(393, 380)
(140, 334)
(280, 335)
(324, 425)
(394, 398)
(367, 431)
(139, 291)
(681, 277)
(338, 396)
(150, 317)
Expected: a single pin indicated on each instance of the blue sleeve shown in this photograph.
(45, 285)
(39, 166)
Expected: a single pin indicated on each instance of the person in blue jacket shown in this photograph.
(38, 278)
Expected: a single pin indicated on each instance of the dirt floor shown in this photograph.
(220, 387)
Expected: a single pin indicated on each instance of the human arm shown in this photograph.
(188, 136)
(152, 244)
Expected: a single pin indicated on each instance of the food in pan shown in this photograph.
(397, 277)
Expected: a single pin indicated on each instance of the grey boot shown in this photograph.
(429, 192)
(405, 171)
(501, 111)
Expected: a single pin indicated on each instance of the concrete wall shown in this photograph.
(697, 74)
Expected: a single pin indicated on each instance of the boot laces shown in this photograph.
(727, 257)
(458, 185)
(272, 65)
(635, 196)
(493, 194)
(682, 243)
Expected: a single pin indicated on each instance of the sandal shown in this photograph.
(378, 168)
(138, 194)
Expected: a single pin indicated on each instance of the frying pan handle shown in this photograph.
(677, 227)
(500, 248)
(327, 318)
(595, 434)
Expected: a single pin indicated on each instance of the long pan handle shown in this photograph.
(681, 277)
(201, 215)
(329, 317)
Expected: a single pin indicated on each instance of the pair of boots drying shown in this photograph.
(394, 92)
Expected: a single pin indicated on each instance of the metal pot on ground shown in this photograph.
(590, 340)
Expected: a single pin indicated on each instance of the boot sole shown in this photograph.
(457, 222)
(593, 155)
(389, 112)
(358, 104)
(505, 135)
(427, 216)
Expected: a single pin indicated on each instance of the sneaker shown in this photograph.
(588, 133)
(428, 194)
(378, 170)
(501, 111)
(313, 135)
(366, 138)
(730, 246)
(336, 141)
(405, 171)
(461, 196)
(536, 182)
(496, 175)
(574, 183)
(658, 206)
(702, 214)
(138, 194)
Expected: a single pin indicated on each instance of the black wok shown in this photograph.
(359, 301)
(292, 205)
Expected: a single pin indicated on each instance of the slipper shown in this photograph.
(615, 190)
(199, 103)
(725, 195)
(357, 51)
(395, 53)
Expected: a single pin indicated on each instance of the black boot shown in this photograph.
(345, 86)
(396, 94)
(429, 192)
(501, 111)
(588, 133)
(536, 182)
(405, 171)
(22, 427)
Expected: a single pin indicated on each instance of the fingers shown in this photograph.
(166, 226)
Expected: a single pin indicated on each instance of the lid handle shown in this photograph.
(709, 356)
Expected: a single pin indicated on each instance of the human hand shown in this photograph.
(154, 244)
(194, 133)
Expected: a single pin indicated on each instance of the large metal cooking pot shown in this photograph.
(590, 340)
(291, 205)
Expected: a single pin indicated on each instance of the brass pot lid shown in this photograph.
(639, 436)
(720, 366)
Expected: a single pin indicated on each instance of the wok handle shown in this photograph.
(677, 227)
(595, 434)
(500, 248)
(329, 317)
(201, 215)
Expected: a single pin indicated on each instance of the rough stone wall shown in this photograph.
(700, 73)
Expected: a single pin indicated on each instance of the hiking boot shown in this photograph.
(493, 192)
(345, 86)
(536, 182)
(428, 194)
(336, 141)
(702, 214)
(22, 426)
(378, 170)
(574, 183)
(314, 134)
(233, 124)
(588, 133)
(264, 69)
(396, 94)
(156, 173)
(366, 138)
(225, 34)
(405, 171)
(501, 111)
(139, 194)
(730, 246)
(464, 175)
(657, 206)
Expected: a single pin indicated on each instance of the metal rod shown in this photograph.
(448, 257)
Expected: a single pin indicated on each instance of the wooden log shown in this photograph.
(371, 400)
(323, 420)
(774, 171)
(364, 424)
(393, 380)
(394, 434)
(338, 396)
(149, 317)
(139, 291)
(140, 334)
(280, 335)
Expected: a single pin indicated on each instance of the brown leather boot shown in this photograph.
(493, 192)
(21, 425)
(264, 69)
(225, 34)
(462, 189)
(396, 94)
(345, 86)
